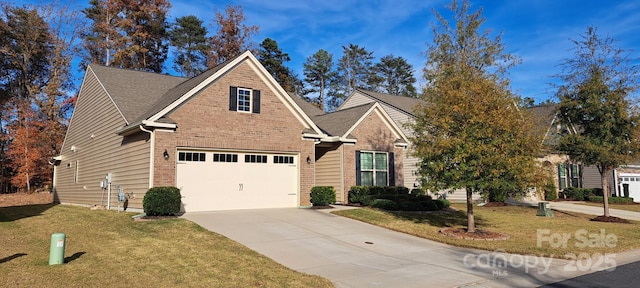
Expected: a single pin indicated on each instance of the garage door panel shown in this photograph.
(238, 185)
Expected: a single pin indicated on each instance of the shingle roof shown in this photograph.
(403, 103)
(306, 107)
(339, 122)
(543, 117)
(134, 91)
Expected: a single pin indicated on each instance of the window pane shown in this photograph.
(366, 178)
(381, 178)
(381, 161)
(366, 161)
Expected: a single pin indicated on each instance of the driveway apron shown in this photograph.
(351, 253)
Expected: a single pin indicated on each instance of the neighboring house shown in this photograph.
(230, 138)
(401, 110)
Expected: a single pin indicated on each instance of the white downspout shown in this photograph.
(151, 154)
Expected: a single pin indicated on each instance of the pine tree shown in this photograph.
(319, 74)
(189, 38)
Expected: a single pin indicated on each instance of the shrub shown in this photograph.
(161, 201)
(597, 191)
(376, 190)
(391, 190)
(550, 193)
(576, 193)
(444, 203)
(411, 206)
(403, 190)
(359, 194)
(439, 204)
(323, 195)
(384, 204)
(429, 205)
(612, 200)
(421, 198)
(417, 192)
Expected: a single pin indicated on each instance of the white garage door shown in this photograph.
(633, 180)
(222, 180)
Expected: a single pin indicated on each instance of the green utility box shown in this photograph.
(544, 209)
(56, 252)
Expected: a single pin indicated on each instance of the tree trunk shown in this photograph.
(605, 189)
(471, 223)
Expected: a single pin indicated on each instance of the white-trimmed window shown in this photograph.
(374, 168)
(277, 159)
(244, 100)
(192, 156)
(254, 158)
(225, 157)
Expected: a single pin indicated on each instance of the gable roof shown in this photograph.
(402, 103)
(547, 125)
(337, 123)
(145, 98)
(132, 91)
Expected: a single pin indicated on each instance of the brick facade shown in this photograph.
(205, 122)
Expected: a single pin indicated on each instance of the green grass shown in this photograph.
(521, 223)
(108, 249)
(628, 207)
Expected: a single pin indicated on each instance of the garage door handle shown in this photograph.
(241, 187)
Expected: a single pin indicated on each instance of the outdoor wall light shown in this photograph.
(165, 154)
(308, 160)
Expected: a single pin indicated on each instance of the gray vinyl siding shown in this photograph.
(92, 130)
(400, 118)
(591, 177)
(329, 170)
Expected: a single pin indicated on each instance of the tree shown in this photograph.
(127, 34)
(37, 51)
(393, 75)
(353, 71)
(318, 74)
(273, 59)
(189, 38)
(232, 37)
(470, 134)
(595, 96)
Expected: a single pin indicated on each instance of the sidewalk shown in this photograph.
(576, 206)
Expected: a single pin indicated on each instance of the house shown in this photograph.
(230, 138)
(401, 110)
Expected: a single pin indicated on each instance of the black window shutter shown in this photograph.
(358, 176)
(256, 101)
(392, 170)
(233, 98)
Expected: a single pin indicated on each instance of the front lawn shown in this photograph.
(521, 223)
(108, 249)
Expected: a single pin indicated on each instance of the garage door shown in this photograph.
(633, 180)
(223, 180)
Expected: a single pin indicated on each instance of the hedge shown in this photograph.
(323, 195)
(161, 201)
(612, 200)
(384, 204)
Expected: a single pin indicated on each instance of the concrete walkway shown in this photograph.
(576, 206)
(355, 254)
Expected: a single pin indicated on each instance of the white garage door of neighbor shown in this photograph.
(222, 180)
(634, 185)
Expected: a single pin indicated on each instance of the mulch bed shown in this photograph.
(322, 207)
(611, 219)
(461, 233)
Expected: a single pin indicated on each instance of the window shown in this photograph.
(374, 169)
(252, 158)
(192, 156)
(225, 157)
(569, 176)
(244, 100)
(283, 159)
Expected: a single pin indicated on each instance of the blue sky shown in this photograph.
(537, 31)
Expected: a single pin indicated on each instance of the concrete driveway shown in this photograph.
(355, 254)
